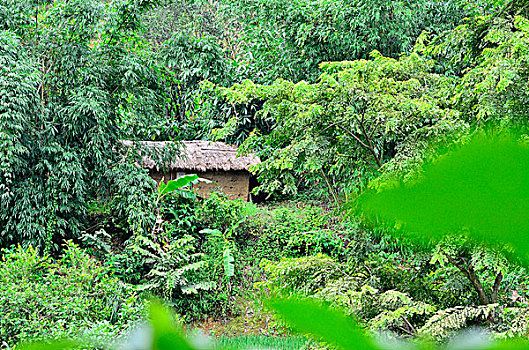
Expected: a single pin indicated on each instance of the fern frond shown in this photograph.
(196, 287)
(398, 318)
(445, 323)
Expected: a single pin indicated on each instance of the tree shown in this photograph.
(343, 128)
(71, 72)
(289, 39)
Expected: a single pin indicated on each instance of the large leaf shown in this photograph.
(325, 324)
(212, 232)
(173, 185)
(480, 188)
(165, 335)
(229, 267)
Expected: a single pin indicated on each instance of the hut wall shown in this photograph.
(235, 184)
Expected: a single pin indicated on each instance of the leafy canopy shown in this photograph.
(70, 72)
(357, 116)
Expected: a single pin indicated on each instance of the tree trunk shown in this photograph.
(468, 270)
(483, 298)
(496, 287)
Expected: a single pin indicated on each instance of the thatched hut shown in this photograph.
(215, 161)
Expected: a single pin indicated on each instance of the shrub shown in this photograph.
(170, 263)
(218, 212)
(251, 233)
(306, 275)
(73, 296)
(167, 265)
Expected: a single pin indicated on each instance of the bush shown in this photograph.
(73, 296)
(220, 213)
(301, 275)
(251, 233)
(292, 231)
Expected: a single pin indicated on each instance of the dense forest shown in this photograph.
(389, 208)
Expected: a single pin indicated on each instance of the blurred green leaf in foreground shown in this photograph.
(479, 189)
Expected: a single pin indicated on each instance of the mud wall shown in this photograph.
(235, 184)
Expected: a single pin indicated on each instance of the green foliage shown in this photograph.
(73, 296)
(516, 323)
(493, 89)
(222, 242)
(289, 39)
(478, 187)
(170, 263)
(249, 234)
(165, 261)
(400, 313)
(165, 336)
(229, 41)
(293, 231)
(299, 275)
(79, 76)
(219, 213)
(252, 342)
(67, 81)
(385, 310)
(471, 186)
(331, 326)
(196, 18)
(190, 61)
(309, 317)
(490, 54)
(445, 322)
(324, 279)
(175, 186)
(475, 262)
(335, 133)
(131, 204)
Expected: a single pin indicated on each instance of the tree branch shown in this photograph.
(470, 273)
(368, 139)
(368, 147)
(331, 189)
(496, 287)
(409, 325)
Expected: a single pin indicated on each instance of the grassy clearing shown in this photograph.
(261, 342)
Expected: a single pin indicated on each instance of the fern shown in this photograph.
(401, 320)
(306, 275)
(393, 299)
(520, 325)
(445, 323)
(170, 266)
(194, 288)
(342, 293)
(511, 322)
(100, 240)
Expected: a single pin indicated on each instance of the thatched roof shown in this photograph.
(200, 156)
